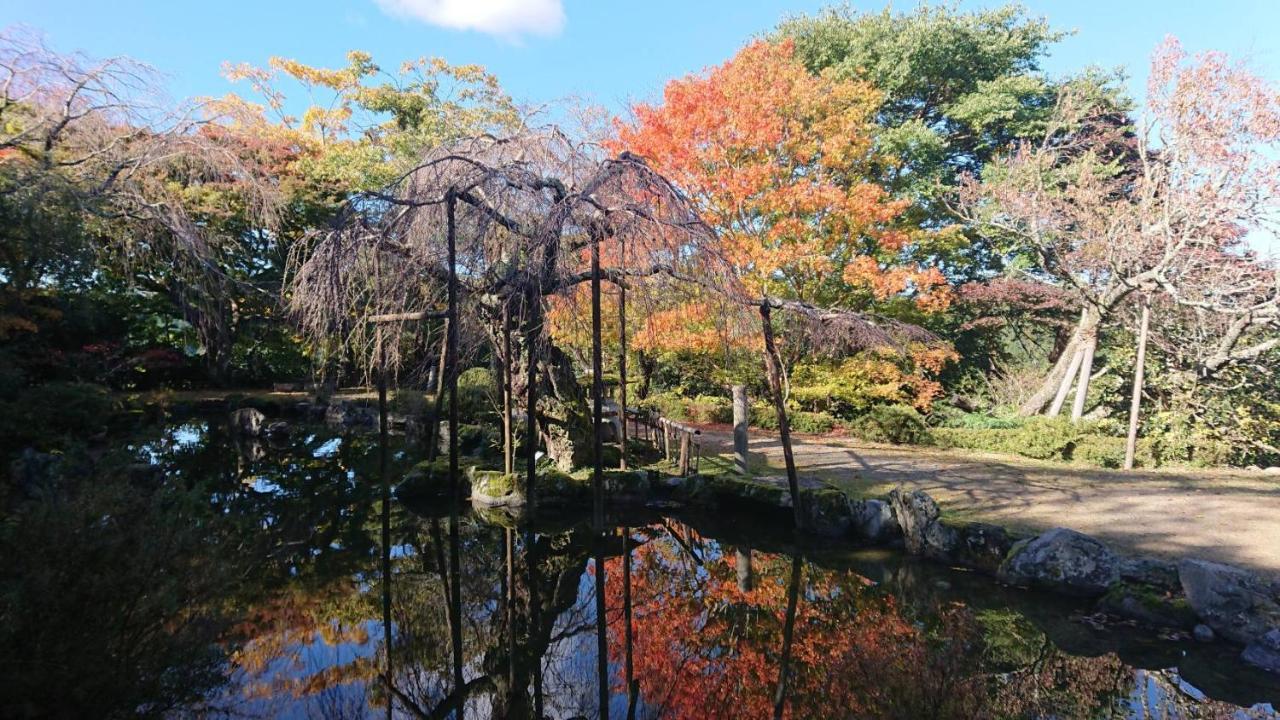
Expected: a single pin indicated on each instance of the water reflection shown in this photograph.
(288, 582)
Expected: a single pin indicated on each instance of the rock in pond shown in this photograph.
(1149, 605)
(1062, 560)
(277, 430)
(492, 488)
(873, 521)
(1237, 604)
(1203, 633)
(248, 421)
(922, 531)
(1264, 652)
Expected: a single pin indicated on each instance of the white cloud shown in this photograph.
(506, 18)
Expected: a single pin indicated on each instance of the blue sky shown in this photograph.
(607, 52)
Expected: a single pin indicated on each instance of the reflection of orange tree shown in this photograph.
(705, 647)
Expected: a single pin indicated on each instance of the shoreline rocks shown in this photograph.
(1064, 560)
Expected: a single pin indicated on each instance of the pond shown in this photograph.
(228, 578)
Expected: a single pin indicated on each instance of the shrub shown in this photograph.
(709, 409)
(475, 391)
(45, 416)
(899, 424)
(763, 415)
(669, 405)
(811, 422)
(701, 409)
(982, 421)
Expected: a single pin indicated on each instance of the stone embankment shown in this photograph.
(1211, 601)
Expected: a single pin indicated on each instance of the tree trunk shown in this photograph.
(1068, 380)
(1135, 403)
(563, 409)
(1053, 380)
(1086, 374)
(773, 365)
(648, 364)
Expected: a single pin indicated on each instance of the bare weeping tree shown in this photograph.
(528, 216)
(490, 231)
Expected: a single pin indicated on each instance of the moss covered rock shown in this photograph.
(1149, 605)
(427, 480)
(492, 488)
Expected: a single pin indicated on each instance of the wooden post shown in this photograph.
(386, 482)
(597, 392)
(629, 669)
(622, 351)
(451, 343)
(508, 442)
(773, 366)
(788, 635)
(666, 438)
(740, 420)
(532, 331)
(1135, 403)
(686, 438)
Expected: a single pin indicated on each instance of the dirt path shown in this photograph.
(1230, 517)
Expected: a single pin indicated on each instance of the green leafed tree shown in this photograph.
(958, 88)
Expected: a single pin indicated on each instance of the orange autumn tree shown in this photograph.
(780, 162)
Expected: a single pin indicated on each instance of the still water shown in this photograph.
(247, 579)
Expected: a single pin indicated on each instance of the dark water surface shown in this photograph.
(256, 583)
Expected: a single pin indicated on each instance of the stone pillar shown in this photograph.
(740, 410)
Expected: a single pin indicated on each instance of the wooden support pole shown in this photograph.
(686, 439)
(508, 442)
(773, 366)
(741, 411)
(622, 351)
(532, 333)
(633, 686)
(1135, 402)
(788, 636)
(597, 392)
(451, 343)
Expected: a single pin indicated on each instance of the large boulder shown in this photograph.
(1151, 572)
(1236, 603)
(922, 531)
(980, 546)
(248, 421)
(1264, 652)
(872, 521)
(1062, 560)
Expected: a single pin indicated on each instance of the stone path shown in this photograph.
(1226, 516)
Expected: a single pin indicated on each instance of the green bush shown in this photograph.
(700, 409)
(44, 416)
(1176, 440)
(475, 393)
(1099, 450)
(814, 423)
(669, 405)
(982, 421)
(898, 424)
(1043, 438)
(709, 409)
(763, 415)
